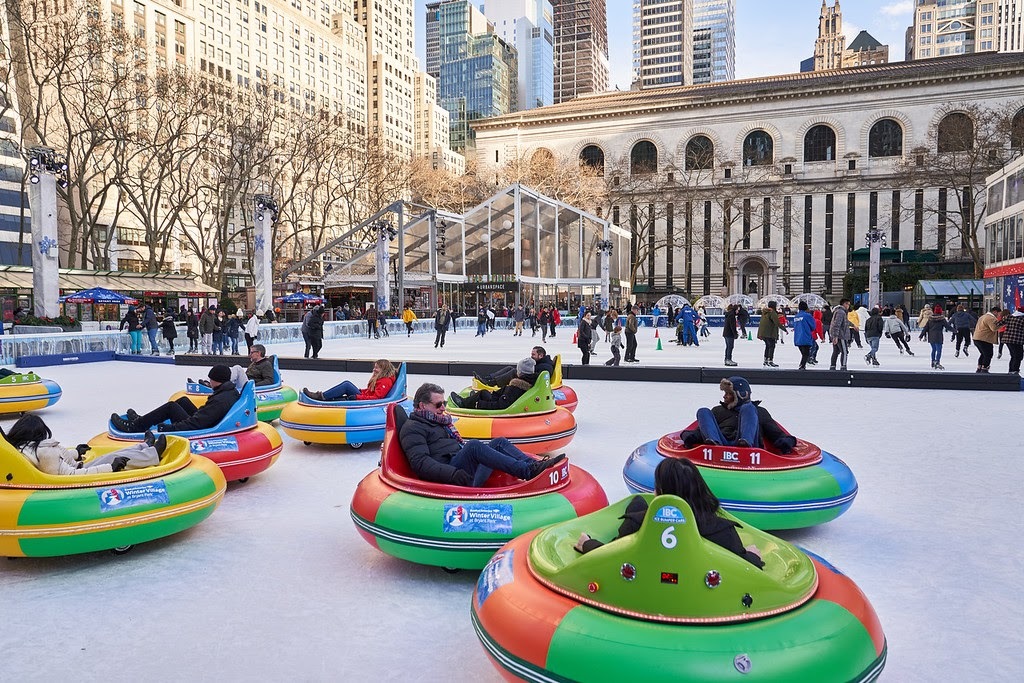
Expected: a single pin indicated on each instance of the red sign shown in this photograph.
(1000, 271)
(154, 294)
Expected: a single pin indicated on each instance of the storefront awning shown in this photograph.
(952, 288)
(18, 277)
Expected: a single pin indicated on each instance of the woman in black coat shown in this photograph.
(169, 331)
(730, 333)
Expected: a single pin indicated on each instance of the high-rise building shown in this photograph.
(1009, 26)
(433, 131)
(662, 43)
(828, 48)
(581, 48)
(954, 27)
(714, 41)
(476, 70)
(528, 24)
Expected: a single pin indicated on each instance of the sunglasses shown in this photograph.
(439, 404)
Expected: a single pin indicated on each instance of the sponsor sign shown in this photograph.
(486, 518)
(218, 444)
(496, 574)
(120, 497)
(669, 514)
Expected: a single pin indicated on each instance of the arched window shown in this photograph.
(956, 133)
(593, 157)
(700, 153)
(644, 158)
(820, 144)
(885, 139)
(758, 149)
(1017, 132)
(542, 163)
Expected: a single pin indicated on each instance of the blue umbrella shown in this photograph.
(97, 295)
(300, 298)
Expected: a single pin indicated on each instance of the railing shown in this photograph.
(14, 346)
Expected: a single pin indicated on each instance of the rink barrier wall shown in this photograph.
(957, 381)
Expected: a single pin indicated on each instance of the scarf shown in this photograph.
(443, 420)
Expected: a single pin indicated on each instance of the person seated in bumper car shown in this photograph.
(437, 452)
(500, 378)
(738, 421)
(678, 477)
(381, 380)
(182, 413)
(33, 438)
(507, 395)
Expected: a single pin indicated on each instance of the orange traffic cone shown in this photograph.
(574, 338)
(656, 335)
(659, 345)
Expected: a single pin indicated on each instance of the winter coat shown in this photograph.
(518, 315)
(616, 339)
(586, 333)
(839, 329)
(371, 315)
(429, 448)
(232, 327)
(508, 395)
(963, 320)
(313, 323)
(192, 326)
(380, 389)
(769, 326)
(442, 319)
(819, 325)
(894, 327)
(261, 372)
(130, 320)
(408, 316)
(545, 364)
(608, 323)
(803, 329)
(853, 318)
(688, 315)
(873, 327)
(209, 414)
(987, 328)
(252, 326)
(935, 327)
(631, 323)
(170, 331)
(743, 316)
(149, 320)
(52, 458)
(922, 319)
(1014, 333)
(730, 325)
(207, 322)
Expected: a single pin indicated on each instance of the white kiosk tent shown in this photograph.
(518, 238)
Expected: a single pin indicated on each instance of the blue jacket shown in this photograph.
(149, 320)
(688, 315)
(803, 329)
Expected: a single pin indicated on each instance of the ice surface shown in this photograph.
(278, 585)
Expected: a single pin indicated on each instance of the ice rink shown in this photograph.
(277, 584)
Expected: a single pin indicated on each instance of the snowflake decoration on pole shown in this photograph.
(258, 243)
(46, 244)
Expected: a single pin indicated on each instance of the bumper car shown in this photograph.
(455, 526)
(533, 423)
(565, 396)
(239, 444)
(44, 515)
(22, 392)
(759, 485)
(341, 422)
(270, 399)
(664, 604)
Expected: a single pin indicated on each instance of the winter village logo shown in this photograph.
(455, 516)
(258, 242)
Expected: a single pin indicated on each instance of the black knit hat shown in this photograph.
(220, 373)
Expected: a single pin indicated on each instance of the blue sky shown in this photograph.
(772, 36)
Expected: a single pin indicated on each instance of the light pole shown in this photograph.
(875, 240)
(605, 247)
(47, 170)
(264, 217)
(385, 233)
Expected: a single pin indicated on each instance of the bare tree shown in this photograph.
(969, 142)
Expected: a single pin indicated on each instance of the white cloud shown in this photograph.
(898, 9)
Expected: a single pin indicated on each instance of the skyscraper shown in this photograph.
(581, 48)
(527, 24)
(1010, 26)
(476, 70)
(828, 48)
(955, 27)
(714, 41)
(662, 43)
